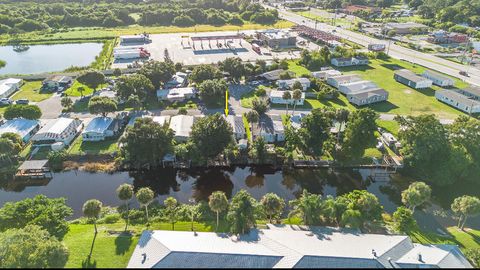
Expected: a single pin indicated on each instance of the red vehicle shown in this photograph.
(256, 48)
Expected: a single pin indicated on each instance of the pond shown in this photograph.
(48, 58)
(79, 186)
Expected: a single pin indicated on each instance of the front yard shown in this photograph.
(31, 90)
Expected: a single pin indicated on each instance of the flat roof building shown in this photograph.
(277, 38)
(367, 97)
(355, 87)
(411, 79)
(472, 91)
(9, 86)
(325, 74)
(25, 128)
(406, 28)
(236, 122)
(285, 247)
(182, 126)
(176, 94)
(274, 75)
(350, 61)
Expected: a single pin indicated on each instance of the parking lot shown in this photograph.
(182, 49)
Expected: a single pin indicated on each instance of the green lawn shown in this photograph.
(31, 91)
(79, 147)
(247, 128)
(390, 126)
(297, 69)
(73, 90)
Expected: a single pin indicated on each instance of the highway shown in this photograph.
(395, 51)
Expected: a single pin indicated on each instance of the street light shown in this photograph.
(192, 201)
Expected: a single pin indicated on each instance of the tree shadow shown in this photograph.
(87, 263)
(427, 91)
(89, 257)
(385, 106)
(123, 243)
(392, 66)
(475, 237)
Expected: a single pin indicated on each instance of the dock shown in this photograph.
(34, 169)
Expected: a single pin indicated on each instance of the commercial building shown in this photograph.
(57, 81)
(61, 130)
(176, 94)
(411, 79)
(367, 97)
(277, 38)
(352, 9)
(458, 100)
(444, 37)
(350, 61)
(325, 74)
(290, 247)
(406, 28)
(276, 97)
(236, 122)
(336, 81)
(25, 128)
(9, 86)
(100, 128)
(182, 126)
(288, 84)
(438, 79)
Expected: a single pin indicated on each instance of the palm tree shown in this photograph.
(252, 117)
(287, 96)
(145, 197)
(171, 207)
(91, 209)
(218, 203)
(80, 89)
(297, 95)
(272, 204)
(125, 193)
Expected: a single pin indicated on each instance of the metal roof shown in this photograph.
(98, 124)
(182, 125)
(409, 75)
(19, 126)
(33, 164)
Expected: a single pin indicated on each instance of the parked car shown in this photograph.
(464, 73)
(5, 101)
(22, 101)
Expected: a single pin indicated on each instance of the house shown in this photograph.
(182, 126)
(274, 75)
(9, 86)
(179, 79)
(176, 94)
(161, 120)
(100, 129)
(472, 92)
(277, 38)
(284, 246)
(336, 81)
(25, 128)
(458, 100)
(367, 97)
(350, 61)
(269, 129)
(406, 28)
(276, 97)
(236, 122)
(61, 130)
(57, 81)
(354, 87)
(278, 130)
(325, 74)
(438, 79)
(288, 84)
(411, 79)
(296, 120)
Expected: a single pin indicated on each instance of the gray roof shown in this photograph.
(409, 75)
(473, 89)
(274, 74)
(405, 25)
(437, 75)
(19, 126)
(346, 78)
(99, 124)
(458, 97)
(369, 93)
(33, 164)
(236, 122)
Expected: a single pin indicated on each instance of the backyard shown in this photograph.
(79, 147)
(31, 90)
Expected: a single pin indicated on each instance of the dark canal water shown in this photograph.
(79, 186)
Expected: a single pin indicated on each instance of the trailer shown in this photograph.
(131, 54)
(376, 47)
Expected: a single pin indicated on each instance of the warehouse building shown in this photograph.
(406, 28)
(25, 128)
(277, 38)
(9, 86)
(411, 79)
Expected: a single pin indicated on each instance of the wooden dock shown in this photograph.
(34, 169)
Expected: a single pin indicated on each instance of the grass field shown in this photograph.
(74, 89)
(98, 33)
(390, 126)
(79, 147)
(467, 239)
(31, 91)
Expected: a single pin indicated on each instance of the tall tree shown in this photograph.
(202, 73)
(157, 72)
(260, 105)
(252, 117)
(273, 205)
(359, 133)
(286, 96)
(315, 130)
(234, 66)
(92, 79)
(31, 247)
(32, 112)
(241, 213)
(366, 204)
(211, 135)
(101, 105)
(218, 203)
(213, 91)
(66, 103)
(136, 84)
(171, 210)
(296, 95)
(145, 197)
(308, 206)
(91, 210)
(403, 220)
(465, 206)
(125, 193)
(416, 194)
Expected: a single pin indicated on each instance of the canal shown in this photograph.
(79, 186)
(48, 58)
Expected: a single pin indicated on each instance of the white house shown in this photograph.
(325, 74)
(336, 81)
(25, 128)
(278, 130)
(284, 246)
(176, 94)
(350, 61)
(9, 86)
(179, 79)
(458, 100)
(288, 84)
(182, 126)
(438, 79)
(236, 122)
(60, 130)
(270, 128)
(366, 97)
(353, 87)
(100, 128)
(276, 97)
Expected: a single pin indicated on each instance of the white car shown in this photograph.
(5, 101)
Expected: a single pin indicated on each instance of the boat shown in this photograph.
(20, 48)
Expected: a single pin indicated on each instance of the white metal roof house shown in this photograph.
(25, 128)
(288, 84)
(100, 128)
(438, 79)
(236, 122)
(62, 130)
(325, 74)
(369, 96)
(350, 61)
(411, 79)
(9, 86)
(458, 100)
(276, 97)
(182, 126)
(336, 81)
(176, 94)
(354, 87)
(286, 247)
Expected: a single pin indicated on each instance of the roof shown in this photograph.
(458, 97)
(276, 33)
(473, 89)
(274, 74)
(33, 164)
(346, 78)
(181, 91)
(56, 126)
(99, 124)
(369, 93)
(7, 84)
(359, 86)
(437, 75)
(182, 125)
(236, 122)
(409, 75)
(58, 78)
(19, 126)
(279, 247)
(291, 82)
(405, 25)
(159, 119)
(279, 94)
(445, 256)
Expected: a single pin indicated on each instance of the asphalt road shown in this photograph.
(395, 51)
